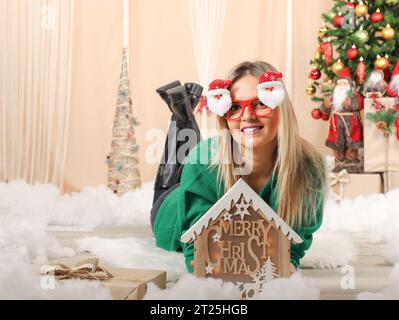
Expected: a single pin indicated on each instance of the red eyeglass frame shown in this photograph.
(247, 104)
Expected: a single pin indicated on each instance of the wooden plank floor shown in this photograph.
(370, 270)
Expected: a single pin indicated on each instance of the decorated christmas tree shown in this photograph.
(359, 36)
(123, 164)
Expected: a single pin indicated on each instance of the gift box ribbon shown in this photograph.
(340, 179)
(87, 269)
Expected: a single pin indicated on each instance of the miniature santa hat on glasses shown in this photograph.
(393, 86)
(218, 96)
(270, 90)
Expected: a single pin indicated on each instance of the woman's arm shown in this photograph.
(198, 193)
(306, 233)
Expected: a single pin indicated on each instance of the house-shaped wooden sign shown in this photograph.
(241, 239)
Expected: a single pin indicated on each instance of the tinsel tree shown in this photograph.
(359, 35)
(123, 164)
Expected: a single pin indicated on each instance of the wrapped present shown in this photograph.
(123, 283)
(381, 147)
(391, 181)
(131, 284)
(345, 185)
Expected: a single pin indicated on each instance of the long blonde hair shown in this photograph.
(301, 169)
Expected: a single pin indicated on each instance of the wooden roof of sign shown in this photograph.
(241, 188)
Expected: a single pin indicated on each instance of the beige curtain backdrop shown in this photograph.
(161, 51)
(35, 60)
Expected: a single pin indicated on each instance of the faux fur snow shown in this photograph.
(329, 251)
(391, 292)
(139, 253)
(295, 287)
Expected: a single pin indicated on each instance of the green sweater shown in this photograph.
(198, 192)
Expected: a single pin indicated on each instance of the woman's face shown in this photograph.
(265, 130)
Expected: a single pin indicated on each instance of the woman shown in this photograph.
(285, 170)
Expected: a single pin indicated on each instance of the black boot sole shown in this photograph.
(194, 91)
(162, 91)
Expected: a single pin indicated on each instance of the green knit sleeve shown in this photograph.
(306, 233)
(198, 193)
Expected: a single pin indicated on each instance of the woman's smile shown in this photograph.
(252, 130)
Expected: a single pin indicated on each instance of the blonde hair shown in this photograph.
(301, 169)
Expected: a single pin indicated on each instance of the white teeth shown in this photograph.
(251, 129)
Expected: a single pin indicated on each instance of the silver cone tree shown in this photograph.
(123, 163)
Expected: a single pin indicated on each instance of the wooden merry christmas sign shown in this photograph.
(242, 240)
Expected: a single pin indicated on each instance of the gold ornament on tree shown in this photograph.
(381, 63)
(317, 54)
(388, 33)
(337, 67)
(361, 9)
(310, 89)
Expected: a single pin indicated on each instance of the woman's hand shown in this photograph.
(192, 264)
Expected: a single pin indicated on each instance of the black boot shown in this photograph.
(194, 91)
(170, 168)
(162, 91)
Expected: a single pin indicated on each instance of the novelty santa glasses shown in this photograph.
(271, 94)
(255, 106)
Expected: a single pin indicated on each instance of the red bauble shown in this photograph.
(350, 5)
(377, 16)
(316, 113)
(352, 53)
(338, 21)
(361, 71)
(397, 123)
(315, 74)
(325, 116)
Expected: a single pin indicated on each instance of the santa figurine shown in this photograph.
(393, 86)
(375, 84)
(345, 136)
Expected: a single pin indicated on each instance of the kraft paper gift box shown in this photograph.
(131, 284)
(375, 145)
(123, 283)
(391, 181)
(344, 185)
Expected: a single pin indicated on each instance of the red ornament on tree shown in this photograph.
(327, 50)
(387, 73)
(325, 116)
(315, 74)
(338, 20)
(361, 71)
(350, 5)
(377, 16)
(352, 53)
(316, 113)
